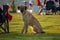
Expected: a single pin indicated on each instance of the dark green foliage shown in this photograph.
(13, 7)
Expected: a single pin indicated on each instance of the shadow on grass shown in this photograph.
(18, 36)
(13, 34)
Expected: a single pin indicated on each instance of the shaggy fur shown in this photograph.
(29, 19)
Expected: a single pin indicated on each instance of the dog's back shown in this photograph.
(30, 18)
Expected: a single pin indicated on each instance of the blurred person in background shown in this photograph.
(56, 5)
(30, 5)
(50, 6)
(40, 4)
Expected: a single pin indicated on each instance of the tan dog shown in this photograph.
(29, 19)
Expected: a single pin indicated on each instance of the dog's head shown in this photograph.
(22, 8)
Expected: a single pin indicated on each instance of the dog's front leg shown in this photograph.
(23, 30)
(25, 27)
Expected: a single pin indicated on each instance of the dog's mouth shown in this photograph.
(22, 11)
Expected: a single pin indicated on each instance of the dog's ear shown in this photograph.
(20, 8)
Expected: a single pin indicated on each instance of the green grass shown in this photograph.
(50, 24)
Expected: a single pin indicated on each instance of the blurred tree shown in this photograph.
(13, 6)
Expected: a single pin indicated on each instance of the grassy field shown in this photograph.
(50, 24)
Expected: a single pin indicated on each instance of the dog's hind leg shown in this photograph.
(35, 29)
(38, 29)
